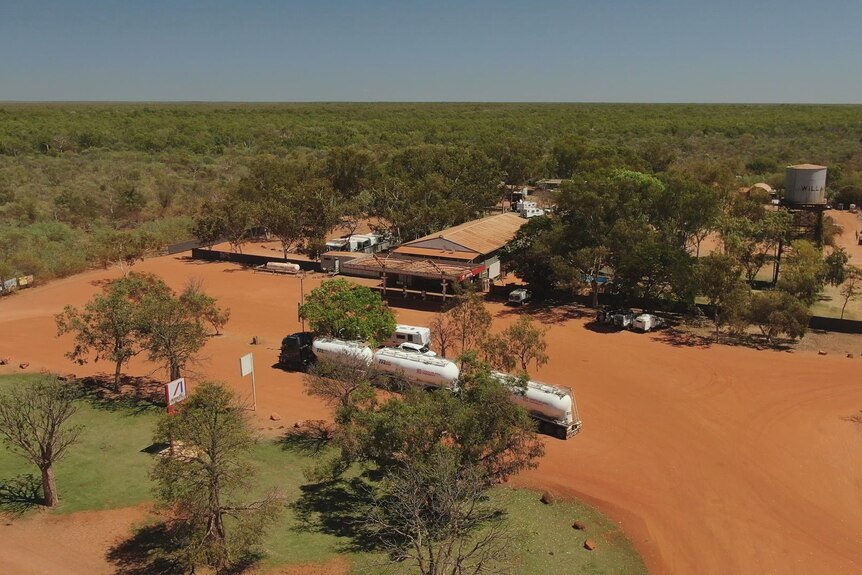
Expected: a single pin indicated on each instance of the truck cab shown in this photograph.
(296, 352)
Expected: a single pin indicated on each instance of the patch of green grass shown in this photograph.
(544, 540)
(830, 302)
(108, 469)
(547, 543)
(287, 541)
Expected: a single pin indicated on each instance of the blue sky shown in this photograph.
(325, 50)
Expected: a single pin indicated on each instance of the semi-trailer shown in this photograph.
(552, 406)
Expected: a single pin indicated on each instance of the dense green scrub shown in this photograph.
(70, 170)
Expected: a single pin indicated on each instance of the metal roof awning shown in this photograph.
(417, 267)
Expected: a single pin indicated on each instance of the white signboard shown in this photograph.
(175, 391)
(246, 364)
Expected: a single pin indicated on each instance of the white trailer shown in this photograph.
(410, 334)
(647, 322)
(367, 243)
(417, 369)
(531, 212)
(280, 267)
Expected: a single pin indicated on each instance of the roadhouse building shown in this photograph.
(431, 264)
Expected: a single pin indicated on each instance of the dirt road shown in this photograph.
(714, 460)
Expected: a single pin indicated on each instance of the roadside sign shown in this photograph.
(246, 364)
(246, 367)
(175, 392)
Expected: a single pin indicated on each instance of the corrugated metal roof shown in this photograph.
(482, 236)
(437, 253)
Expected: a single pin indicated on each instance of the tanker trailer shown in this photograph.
(281, 267)
(417, 369)
(552, 406)
(337, 350)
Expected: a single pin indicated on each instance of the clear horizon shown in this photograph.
(551, 51)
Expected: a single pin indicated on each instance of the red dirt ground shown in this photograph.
(713, 460)
(55, 544)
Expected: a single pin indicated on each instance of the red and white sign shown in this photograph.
(175, 392)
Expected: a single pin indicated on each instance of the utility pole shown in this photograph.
(301, 297)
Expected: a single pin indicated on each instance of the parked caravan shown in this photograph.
(410, 334)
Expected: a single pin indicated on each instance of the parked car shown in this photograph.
(605, 315)
(519, 296)
(416, 348)
(647, 322)
(623, 318)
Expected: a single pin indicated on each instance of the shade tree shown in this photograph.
(719, 280)
(851, 288)
(35, 424)
(172, 327)
(342, 309)
(107, 326)
(776, 312)
(204, 485)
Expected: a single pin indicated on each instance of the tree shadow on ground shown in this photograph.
(856, 419)
(154, 550)
(598, 327)
(307, 438)
(680, 337)
(147, 552)
(548, 312)
(20, 494)
(339, 508)
(137, 394)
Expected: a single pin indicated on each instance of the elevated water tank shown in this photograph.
(805, 184)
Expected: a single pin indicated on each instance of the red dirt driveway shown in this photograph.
(713, 459)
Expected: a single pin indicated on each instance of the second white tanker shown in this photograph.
(416, 368)
(552, 406)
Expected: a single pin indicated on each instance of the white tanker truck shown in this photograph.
(552, 406)
(416, 368)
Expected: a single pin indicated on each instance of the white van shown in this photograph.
(519, 296)
(410, 334)
(647, 322)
